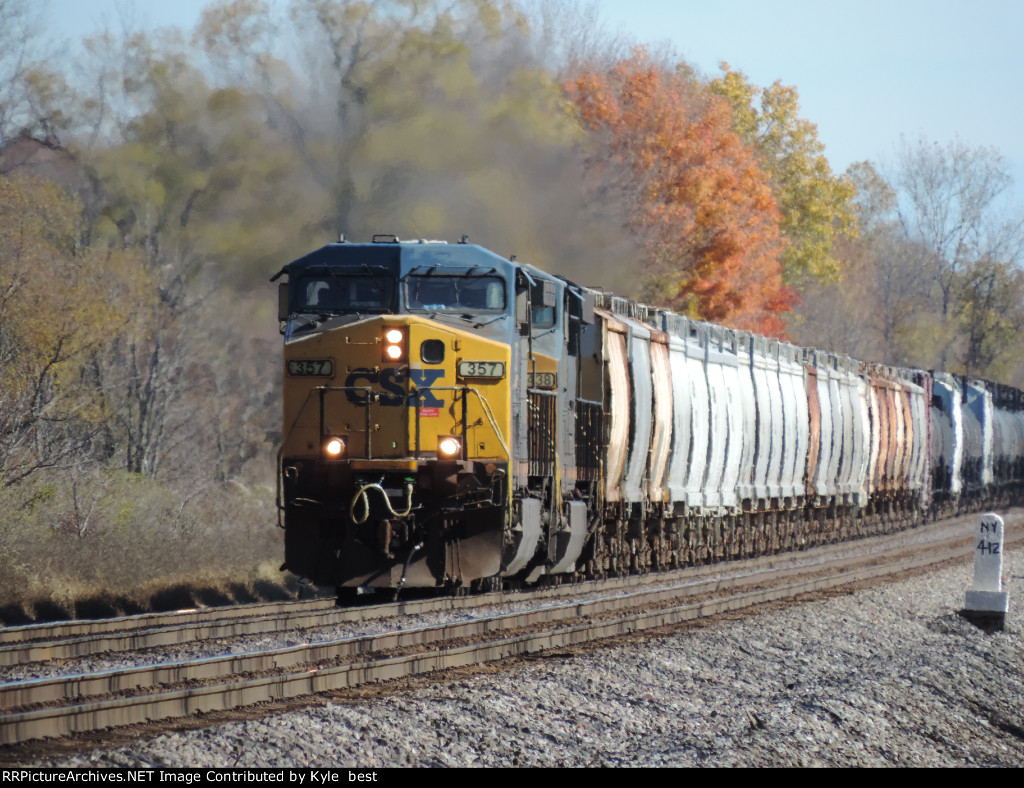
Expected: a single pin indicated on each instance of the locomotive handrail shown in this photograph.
(298, 415)
(484, 404)
(486, 407)
(546, 434)
(322, 390)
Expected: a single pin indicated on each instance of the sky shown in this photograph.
(869, 73)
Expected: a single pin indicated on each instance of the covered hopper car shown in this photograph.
(455, 419)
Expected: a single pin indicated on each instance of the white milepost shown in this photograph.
(986, 596)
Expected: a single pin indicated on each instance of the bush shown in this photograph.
(111, 539)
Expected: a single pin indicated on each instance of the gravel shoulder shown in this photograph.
(885, 676)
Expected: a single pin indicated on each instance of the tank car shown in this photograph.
(452, 418)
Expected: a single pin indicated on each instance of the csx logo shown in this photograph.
(390, 380)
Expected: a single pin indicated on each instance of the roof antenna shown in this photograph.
(512, 259)
(341, 238)
(464, 239)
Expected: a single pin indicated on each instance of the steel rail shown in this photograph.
(75, 639)
(44, 690)
(53, 630)
(556, 630)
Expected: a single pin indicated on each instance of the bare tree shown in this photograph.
(567, 35)
(991, 301)
(949, 203)
(18, 39)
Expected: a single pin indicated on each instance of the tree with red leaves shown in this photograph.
(700, 206)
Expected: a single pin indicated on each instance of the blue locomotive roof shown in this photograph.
(392, 277)
(404, 258)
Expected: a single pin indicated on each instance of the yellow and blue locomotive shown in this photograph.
(423, 383)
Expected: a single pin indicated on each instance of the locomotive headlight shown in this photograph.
(394, 344)
(448, 446)
(334, 447)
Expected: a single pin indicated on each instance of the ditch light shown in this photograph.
(449, 447)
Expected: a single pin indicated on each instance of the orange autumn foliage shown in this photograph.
(701, 207)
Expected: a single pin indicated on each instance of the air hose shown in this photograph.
(362, 495)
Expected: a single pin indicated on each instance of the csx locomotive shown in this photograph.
(456, 419)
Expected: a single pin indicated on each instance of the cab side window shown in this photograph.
(542, 297)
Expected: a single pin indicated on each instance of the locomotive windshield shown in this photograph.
(333, 291)
(438, 293)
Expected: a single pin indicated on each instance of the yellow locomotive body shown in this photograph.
(391, 412)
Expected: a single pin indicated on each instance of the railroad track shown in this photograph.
(61, 705)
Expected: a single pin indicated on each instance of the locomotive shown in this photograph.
(456, 419)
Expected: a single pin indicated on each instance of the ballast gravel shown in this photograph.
(566, 596)
(887, 676)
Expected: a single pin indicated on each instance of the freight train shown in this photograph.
(454, 419)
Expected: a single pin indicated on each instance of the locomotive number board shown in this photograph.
(481, 369)
(311, 367)
(541, 380)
